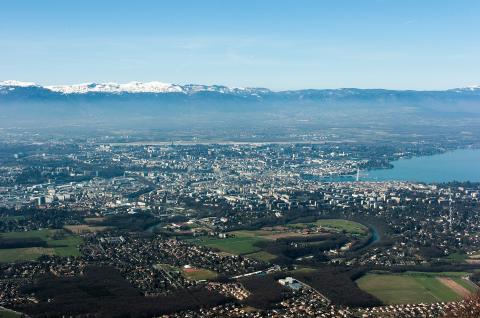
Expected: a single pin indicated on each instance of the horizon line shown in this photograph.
(10, 82)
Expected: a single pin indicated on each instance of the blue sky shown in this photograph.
(282, 44)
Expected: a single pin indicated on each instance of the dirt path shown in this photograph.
(456, 287)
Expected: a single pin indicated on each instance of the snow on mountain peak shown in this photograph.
(136, 87)
(132, 87)
(17, 83)
(470, 88)
(473, 87)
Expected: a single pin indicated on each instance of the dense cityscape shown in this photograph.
(214, 224)
(239, 159)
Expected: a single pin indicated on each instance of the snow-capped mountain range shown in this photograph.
(161, 104)
(131, 87)
(155, 87)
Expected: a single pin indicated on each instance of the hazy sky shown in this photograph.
(281, 44)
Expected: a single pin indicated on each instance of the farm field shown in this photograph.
(86, 228)
(415, 287)
(23, 254)
(58, 242)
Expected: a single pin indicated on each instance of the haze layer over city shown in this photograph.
(241, 159)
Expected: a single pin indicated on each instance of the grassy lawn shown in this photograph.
(410, 287)
(199, 274)
(63, 245)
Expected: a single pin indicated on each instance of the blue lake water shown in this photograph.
(458, 165)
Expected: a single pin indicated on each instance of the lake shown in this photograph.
(458, 165)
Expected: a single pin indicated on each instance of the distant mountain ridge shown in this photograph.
(131, 87)
(160, 87)
(157, 104)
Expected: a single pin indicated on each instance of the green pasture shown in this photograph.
(412, 287)
(339, 225)
(58, 242)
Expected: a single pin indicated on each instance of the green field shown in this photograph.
(199, 274)
(412, 287)
(61, 244)
(262, 256)
(469, 285)
(240, 244)
(244, 242)
(457, 257)
(5, 313)
(336, 225)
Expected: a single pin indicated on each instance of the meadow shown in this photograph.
(58, 242)
(86, 228)
(243, 242)
(339, 225)
(416, 287)
(246, 242)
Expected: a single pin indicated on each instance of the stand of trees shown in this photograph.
(338, 284)
(6, 243)
(266, 291)
(103, 292)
